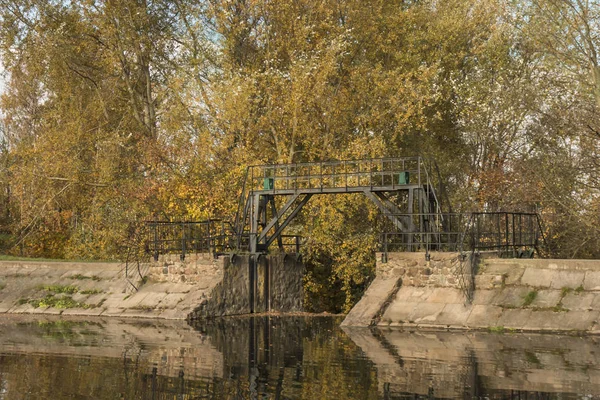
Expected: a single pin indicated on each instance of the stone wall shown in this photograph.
(193, 269)
(514, 294)
(441, 270)
(199, 286)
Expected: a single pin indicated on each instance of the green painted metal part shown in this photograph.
(404, 178)
(269, 184)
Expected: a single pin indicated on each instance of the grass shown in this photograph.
(83, 277)
(579, 289)
(91, 291)
(496, 329)
(559, 308)
(57, 302)
(2, 285)
(64, 289)
(565, 291)
(529, 298)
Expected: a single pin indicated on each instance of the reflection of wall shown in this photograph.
(169, 345)
(453, 365)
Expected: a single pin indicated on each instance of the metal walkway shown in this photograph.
(273, 195)
(407, 191)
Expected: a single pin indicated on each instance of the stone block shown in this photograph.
(171, 300)
(454, 315)
(591, 280)
(512, 296)
(484, 297)
(578, 301)
(413, 294)
(578, 320)
(561, 321)
(487, 281)
(446, 296)
(537, 277)
(596, 302)
(399, 311)
(363, 313)
(546, 298)
(568, 279)
(484, 316)
(510, 274)
(514, 319)
(133, 300)
(426, 312)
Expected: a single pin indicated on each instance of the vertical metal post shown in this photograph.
(251, 283)
(498, 240)
(267, 284)
(155, 226)
(371, 174)
(297, 244)
(254, 222)
(182, 256)
(346, 174)
(321, 174)
(419, 169)
(506, 232)
(513, 233)
(521, 229)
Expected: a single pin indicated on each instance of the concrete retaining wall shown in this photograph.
(514, 294)
(250, 285)
(199, 286)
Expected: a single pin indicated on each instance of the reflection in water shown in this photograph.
(284, 358)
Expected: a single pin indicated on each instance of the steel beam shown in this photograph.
(380, 204)
(277, 216)
(289, 218)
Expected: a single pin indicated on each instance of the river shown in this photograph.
(284, 358)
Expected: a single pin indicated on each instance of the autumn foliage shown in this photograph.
(116, 112)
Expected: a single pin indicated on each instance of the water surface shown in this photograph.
(284, 358)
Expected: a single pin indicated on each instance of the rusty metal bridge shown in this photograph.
(407, 191)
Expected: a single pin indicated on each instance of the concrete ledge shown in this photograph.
(516, 294)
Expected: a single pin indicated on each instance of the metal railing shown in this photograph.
(345, 174)
(166, 237)
(212, 236)
(512, 234)
(417, 174)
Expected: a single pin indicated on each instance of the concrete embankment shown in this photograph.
(516, 294)
(200, 286)
(106, 289)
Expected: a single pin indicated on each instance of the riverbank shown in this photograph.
(525, 295)
(104, 289)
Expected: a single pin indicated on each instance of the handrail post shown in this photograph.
(155, 226)
(346, 174)
(506, 232)
(182, 256)
(321, 174)
(385, 246)
(513, 233)
(371, 173)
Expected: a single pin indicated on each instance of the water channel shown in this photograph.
(284, 358)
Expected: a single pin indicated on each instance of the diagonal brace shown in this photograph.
(289, 218)
(381, 205)
(276, 218)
